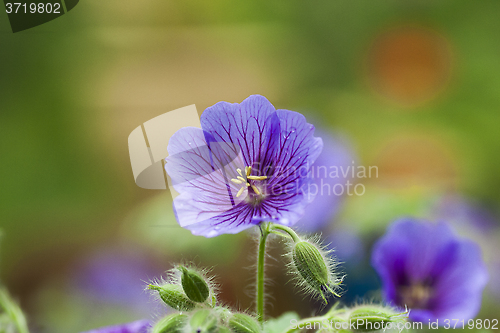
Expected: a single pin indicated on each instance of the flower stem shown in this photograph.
(288, 230)
(264, 232)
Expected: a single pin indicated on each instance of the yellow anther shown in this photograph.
(245, 179)
(240, 192)
(257, 177)
(255, 189)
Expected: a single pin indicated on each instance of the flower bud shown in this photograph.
(195, 287)
(173, 323)
(373, 318)
(243, 323)
(314, 268)
(173, 296)
(203, 321)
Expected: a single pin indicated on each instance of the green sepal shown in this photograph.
(174, 297)
(195, 287)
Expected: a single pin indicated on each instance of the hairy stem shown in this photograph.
(288, 230)
(264, 232)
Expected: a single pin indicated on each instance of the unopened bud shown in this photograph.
(195, 287)
(315, 269)
(243, 323)
(174, 297)
(203, 321)
(174, 323)
(373, 318)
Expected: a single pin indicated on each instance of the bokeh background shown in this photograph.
(413, 86)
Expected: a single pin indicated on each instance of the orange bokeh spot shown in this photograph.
(409, 65)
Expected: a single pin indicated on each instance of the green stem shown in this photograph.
(264, 229)
(288, 230)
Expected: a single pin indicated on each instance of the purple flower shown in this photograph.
(114, 276)
(331, 173)
(249, 163)
(426, 267)
(140, 326)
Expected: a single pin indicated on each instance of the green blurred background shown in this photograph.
(414, 85)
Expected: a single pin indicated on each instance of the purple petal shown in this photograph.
(296, 152)
(251, 125)
(207, 196)
(459, 286)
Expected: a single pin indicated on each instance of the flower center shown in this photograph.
(416, 296)
(244, 180)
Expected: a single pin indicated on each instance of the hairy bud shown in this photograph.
(314, 268)
(243, 323)
(174, 323)
(173, 296)
(203, 321)
(195, 287)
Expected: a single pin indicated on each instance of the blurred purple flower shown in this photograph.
(331, 171)
(115, 276)
(426, 267)
(140, 326)
(249, 163)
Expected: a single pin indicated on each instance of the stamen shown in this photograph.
(240, 192)
(257, 177)
(256, 190)
(248, 170)
(242, 179)
(236, 181)
(239, 171)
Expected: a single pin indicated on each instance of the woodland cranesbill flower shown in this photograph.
(427, 268)
(247, 164)
(140, 326)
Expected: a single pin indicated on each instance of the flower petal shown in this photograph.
(251, 125)
(289, 184)
(201, 174)
(458, 290)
